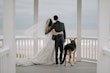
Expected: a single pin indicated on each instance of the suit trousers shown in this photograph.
(59, 40)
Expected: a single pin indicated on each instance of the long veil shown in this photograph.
(37, 30)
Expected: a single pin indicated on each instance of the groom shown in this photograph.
(59, 39)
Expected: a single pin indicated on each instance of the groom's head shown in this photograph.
(55, 17)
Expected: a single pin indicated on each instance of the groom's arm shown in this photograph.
(64, 31)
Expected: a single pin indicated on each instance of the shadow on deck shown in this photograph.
(79, 67)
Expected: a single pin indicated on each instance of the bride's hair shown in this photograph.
(49, 24)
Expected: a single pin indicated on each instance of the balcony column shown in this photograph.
(8, 33)
(103, 64)
(35, 23)
(79, 9)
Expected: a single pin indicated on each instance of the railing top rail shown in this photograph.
(106, 51)
(31, 37)
(4, 51)
(83, 37)
(42, 37)
(26, 37)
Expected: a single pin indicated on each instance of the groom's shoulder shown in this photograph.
(62, 23)
(57, 23)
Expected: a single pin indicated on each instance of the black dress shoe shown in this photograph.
(61, 62)
(56, 62)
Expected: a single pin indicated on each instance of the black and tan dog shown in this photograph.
(70, 48)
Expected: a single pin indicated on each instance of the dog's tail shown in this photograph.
(64, 56)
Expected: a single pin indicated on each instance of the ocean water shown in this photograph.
(69, 33)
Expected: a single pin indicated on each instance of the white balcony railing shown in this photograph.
(106, 51)
(89, 48)
(4, 60)
(25, 47)
(1, 42)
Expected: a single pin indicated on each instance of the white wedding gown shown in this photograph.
(46, 54)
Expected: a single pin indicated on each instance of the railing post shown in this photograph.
(79, 6)
(8, 32)
(35, 23)
(103, 64)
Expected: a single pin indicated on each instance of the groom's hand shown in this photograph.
(45, 32)
(64, 40)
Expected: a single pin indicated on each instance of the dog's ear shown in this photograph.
(74, 38)
(70, 39)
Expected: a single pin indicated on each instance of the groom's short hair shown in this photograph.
(55, 17)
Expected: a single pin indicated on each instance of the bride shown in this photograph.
(46, 55)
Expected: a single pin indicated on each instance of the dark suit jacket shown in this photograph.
(58, 26)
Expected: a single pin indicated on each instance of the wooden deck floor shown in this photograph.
(79, 67)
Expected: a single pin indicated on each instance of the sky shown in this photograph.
(65, 9)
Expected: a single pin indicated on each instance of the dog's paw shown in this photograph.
(74, 62)
(61, 62)
(68, 61)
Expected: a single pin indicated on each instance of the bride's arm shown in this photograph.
(56, 33)
(47, 28)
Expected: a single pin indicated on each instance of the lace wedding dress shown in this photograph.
(45, 56)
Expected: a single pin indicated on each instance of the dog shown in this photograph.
(70, 48)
